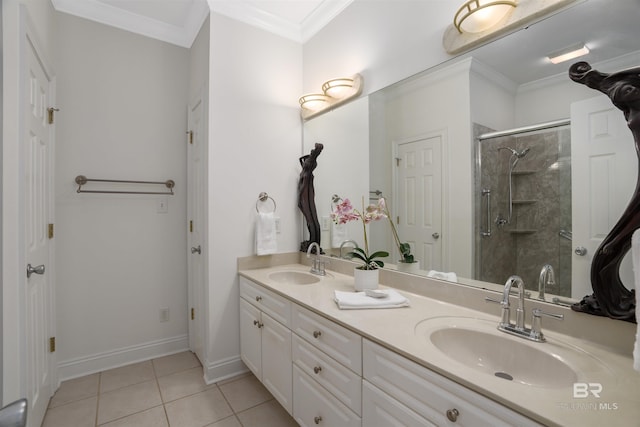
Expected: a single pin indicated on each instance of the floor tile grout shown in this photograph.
(163, 403)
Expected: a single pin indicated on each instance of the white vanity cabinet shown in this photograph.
(327, 371)
(265, 339)
(417, 393)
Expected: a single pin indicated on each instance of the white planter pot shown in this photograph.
(365, 279)
(408, 267)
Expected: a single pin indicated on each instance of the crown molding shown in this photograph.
(115, 17)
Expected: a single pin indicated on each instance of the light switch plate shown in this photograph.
(162, 205)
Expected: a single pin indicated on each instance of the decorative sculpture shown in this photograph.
(306, 196)
(610, 296)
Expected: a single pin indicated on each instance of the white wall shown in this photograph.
(42, 28)
(123, 109)
(439, 102)
(343, 166)
(254, 146)
(384, 41)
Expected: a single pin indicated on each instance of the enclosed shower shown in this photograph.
(523, 205)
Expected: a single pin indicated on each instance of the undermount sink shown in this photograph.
(479, 346)
(294, 277)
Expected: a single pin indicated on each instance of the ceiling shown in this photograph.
(178, 21)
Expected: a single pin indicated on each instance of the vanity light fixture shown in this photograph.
(314, 102)
(336, 92)
(480, 21)
(568, 53)
(476, 16)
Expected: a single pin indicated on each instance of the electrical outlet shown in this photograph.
(162, 206)
(278, 225)
(164, 314)
(326, 223)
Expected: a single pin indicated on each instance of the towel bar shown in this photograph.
(82, 180)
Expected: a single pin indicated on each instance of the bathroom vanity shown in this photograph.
(419, 365)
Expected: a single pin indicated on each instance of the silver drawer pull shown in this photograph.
(258, 298)
(317, 419)
(317, 369)
(316, 334)
(452, 415)
(258, 324)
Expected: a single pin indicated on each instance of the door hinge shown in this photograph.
(50, 231)
(398, 219)
(50, 112)
(52, 344)
(398, 161)
(190, 133)
(193, 313)
(190, 226)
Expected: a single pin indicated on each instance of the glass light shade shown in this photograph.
(314, 101)
(338, 88)
(476, 16)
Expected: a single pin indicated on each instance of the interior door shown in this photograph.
(196, 214)
(418, 183)
(603, 177)
(38, 327)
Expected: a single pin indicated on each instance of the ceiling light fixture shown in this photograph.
(568, 53)
(476, 16)
(480, 21)
(336, 92)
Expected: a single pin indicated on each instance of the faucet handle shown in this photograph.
(493, 300)
(536, 324)
(505, 319)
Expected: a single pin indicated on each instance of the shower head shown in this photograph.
(517, 154)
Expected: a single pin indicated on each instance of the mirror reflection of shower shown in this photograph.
(513, 161)
(523, 178)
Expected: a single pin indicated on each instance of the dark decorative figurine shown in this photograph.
(610, 296)
(306, 196)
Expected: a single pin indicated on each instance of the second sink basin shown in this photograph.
(478, 346)
(294, 277)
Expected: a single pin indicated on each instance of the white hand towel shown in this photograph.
(357, 300)
(451, 277)
(266, 239)
(338, 234)
(635, 253)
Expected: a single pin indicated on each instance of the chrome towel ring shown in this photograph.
(263, 197)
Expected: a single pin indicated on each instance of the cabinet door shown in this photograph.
(276, 361)
(381, 410)
(315, 406)
(250, 332)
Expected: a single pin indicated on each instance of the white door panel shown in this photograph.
(419, 198)
(196, 213)
(603, 177)
(37, 184)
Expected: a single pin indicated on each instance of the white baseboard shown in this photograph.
(223, 369)
(86, 365)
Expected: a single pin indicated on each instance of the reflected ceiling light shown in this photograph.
(568, 53)
(336, 92)
(476, 16)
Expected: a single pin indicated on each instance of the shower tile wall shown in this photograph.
(542, 207)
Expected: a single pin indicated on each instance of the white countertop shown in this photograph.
(398, 329)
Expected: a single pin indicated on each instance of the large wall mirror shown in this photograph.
(487, 199)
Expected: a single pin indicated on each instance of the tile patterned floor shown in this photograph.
(163, 392)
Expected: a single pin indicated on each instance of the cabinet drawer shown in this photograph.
(340, 343)
(381, 410)
(338, 380)
(314, 406)
(431, 395)
(274, 305)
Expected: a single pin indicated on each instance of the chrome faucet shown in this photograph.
(342, 245)
(519, 329)
(318, 264)
(547, 277)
